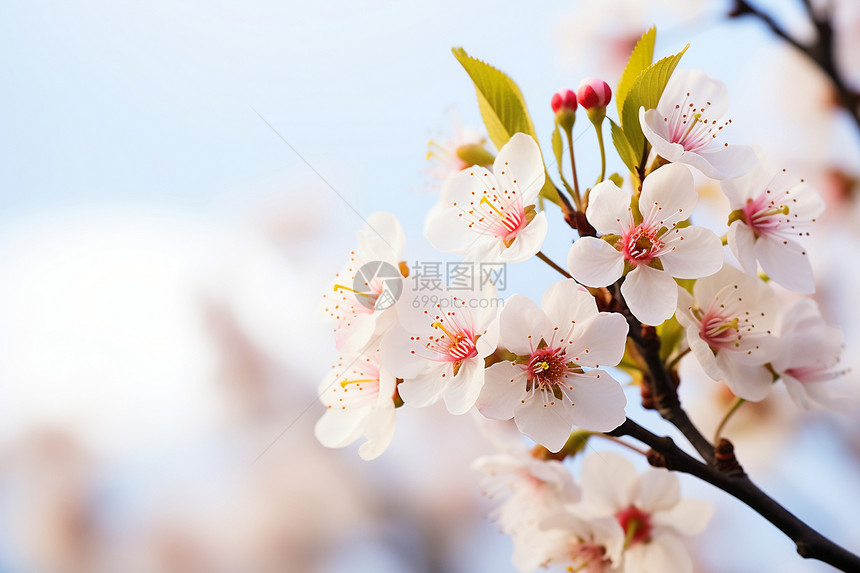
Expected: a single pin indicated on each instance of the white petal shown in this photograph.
(567, 302)
(703, 90)
(522, 321)
(520, 160)
(608, 482)
(696, 252)
(599, 340)
(426, 387)
(379, 431)
(608, 207)
(651, 294)
(461, 393)
(657, 134)
(396, 352)
(749, 185)
(752, 383)
(447, 231)
(688, 517)
(527, 242)
(724, 162)
(742, 243)
(659, 490)
(598, 401)
(544, 420)
(594, 262)
(668, 195)
(339, 428)
(381, 239)
(703, 353)
(663, 553)
(786, 263)
(504, 388)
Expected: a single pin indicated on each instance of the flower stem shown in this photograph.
(547, 260)
(577, 198)
(620, 442)
(734, 408)
(598, 127)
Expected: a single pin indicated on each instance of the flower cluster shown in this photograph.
(638, 269)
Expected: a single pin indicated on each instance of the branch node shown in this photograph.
(725, 460)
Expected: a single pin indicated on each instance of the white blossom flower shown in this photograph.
(569, 543)
(359, 396)
(361, 300)
(770, 212)
(649, 509)
(546, 389)
(729, 321)
(652, 250)
(536, 488)
(809, 354)
(439, 346)
(490, 215)
(685, 127)
(466, 147)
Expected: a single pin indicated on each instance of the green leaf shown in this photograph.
(622, 146)
(646, 92)
(502, 106)
(640, 58)
(499, 98)
(671, 333)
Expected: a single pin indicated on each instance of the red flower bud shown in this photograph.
(593, 92)
(565, 100)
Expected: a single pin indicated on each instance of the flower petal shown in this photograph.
(659, 490)
(503, 390)
(598, 401)
(519, 167)
(527, 242)
(668, 195)
(608, 482)
(787, 263)
(687, 516)
(567, 302)
(752, 383)
(381, 239)
(723, 162)
(599, 340)
(520, 322)
(379, 431)
(651, 294)
(545, 420)
(742, 243)
(463, 390)
(695, 252)
(594, 262)
(608, 207)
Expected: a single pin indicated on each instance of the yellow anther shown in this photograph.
(345, 383)
(341, 287)
(493, 207)
(447, 332)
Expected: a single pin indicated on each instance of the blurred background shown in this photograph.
(163, 251)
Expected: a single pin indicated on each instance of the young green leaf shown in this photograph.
(622, 146)
(558, 150)
(640, 58)
(646, 92)
(502, 106)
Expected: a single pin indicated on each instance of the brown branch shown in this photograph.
(809, 542)
(820, 51)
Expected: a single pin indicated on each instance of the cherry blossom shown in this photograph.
(649, 508)
(536, 488)
(729, 321)
(358, 394)
(490, 216)
(361, 300)
(439, 346)
(770, 212)
(546, 388)
(650, 249)
(466, 147)
(570, 543)
(809, 355)
(686, 128)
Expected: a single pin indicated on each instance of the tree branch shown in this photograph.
(820, 51)
(810, 544)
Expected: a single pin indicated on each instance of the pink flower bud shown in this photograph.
(565, 100)
(593, 92)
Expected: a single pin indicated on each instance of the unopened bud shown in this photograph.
(564, 106)
(593, 92)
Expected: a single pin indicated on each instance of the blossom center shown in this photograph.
(456, 345)
(641, 244)
(762, 215)
(636, 525)
(508, 221)
(718, 329)
(690, 127)
(547, 368)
